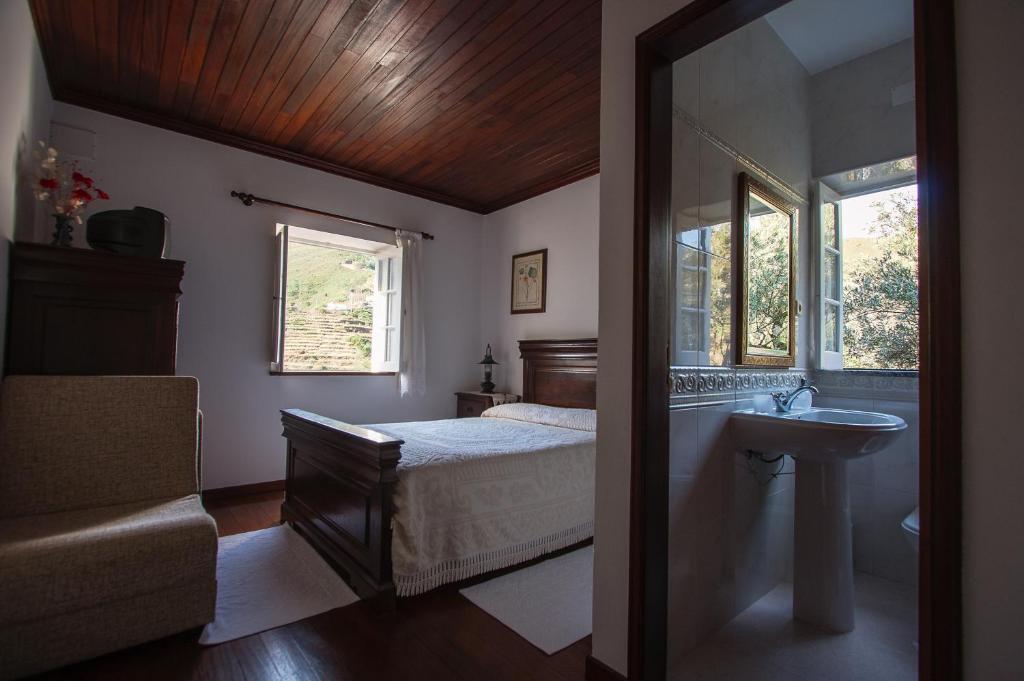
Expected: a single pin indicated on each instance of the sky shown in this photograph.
(858, 215)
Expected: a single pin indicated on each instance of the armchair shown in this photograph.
(104, 542)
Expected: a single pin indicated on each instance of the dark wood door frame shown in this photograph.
(696, 25)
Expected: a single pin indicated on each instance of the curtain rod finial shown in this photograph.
(246, 199)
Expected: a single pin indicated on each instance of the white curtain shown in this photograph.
(413, 354)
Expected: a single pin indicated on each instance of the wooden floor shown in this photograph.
(439, 635)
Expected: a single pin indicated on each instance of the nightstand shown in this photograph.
(470, 404)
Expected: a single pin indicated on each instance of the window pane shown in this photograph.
(768, 263)
(720, 298)
(329, 315)
(831, 327)
(703, 296)
(688, 277)
(880, 280)
(830, 267)
(719, 239)
(689, 330)
(828, 224)
(391, 345)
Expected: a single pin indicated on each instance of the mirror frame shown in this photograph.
(747, 185)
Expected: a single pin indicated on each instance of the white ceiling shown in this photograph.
(826, 33)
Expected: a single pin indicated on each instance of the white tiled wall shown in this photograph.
(730, 522)
(731, 526)
(883, 491)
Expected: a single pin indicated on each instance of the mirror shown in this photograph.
(767, 256)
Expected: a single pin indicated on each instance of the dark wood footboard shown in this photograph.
(338, 495)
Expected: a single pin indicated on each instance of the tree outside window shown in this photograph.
(880, 275)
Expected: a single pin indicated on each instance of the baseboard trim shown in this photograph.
(222, 493)
(599, 671)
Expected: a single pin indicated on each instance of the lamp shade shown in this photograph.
(487, 357)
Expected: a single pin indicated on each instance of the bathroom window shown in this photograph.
(703, 321)
(868, 268)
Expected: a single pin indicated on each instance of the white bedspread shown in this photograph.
(479, 494)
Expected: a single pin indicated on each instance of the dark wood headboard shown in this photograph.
(560, 373)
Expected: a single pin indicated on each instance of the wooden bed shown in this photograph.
(340, 477)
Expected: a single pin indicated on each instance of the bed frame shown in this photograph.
(340, 477)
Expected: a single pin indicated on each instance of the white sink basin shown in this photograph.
(824, 435)
(821, 441)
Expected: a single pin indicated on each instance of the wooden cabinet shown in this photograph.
(470, 404)
(79, 311)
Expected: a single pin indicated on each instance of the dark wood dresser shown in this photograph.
(470, 404)
(79, 311)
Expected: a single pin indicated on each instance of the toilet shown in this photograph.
(912, 528)
(912, 531)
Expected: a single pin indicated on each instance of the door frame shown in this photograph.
(940, 601)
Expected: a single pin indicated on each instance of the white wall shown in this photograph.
(621, 22)
(564, 221)
(989, 55)
(854, 121)
(884, 488)
(749, 90)
(225, 322)
(24, 118)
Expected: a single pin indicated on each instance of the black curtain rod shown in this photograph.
(249, 199)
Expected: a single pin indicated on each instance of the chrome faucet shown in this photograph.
(784, 401)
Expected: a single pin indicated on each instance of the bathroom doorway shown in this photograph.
(713, 528)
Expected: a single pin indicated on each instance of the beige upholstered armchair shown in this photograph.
(104, 543)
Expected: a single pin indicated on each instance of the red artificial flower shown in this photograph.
(48, 183)
(81, 195)
(81, 179)
(102, 194)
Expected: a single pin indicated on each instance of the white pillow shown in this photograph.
(577, 419)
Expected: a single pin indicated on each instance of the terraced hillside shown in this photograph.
(328, 322)
(316, 340)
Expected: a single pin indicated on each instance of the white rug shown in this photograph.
(549, 604)
(269, 578)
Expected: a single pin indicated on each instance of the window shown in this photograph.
(703, 321)
(337, 303)
(868, 268)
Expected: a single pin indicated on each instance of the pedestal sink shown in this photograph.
(821, 441)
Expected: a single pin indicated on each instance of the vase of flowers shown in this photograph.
(66, 190)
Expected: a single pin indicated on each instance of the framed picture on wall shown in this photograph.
(529, 281)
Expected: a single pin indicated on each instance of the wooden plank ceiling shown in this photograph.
(474, 103)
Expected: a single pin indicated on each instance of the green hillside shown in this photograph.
(318, 275)
(330, 303)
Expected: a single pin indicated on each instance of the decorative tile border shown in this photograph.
(877, 385)
(694, 386)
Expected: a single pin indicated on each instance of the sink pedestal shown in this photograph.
(822, 546)
(821, 441)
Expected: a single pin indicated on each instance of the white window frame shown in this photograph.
(387, 302)
(387, 313)
(702, 311)
(705, 256)
(829, 360)
(279, 297)
(833, 361)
